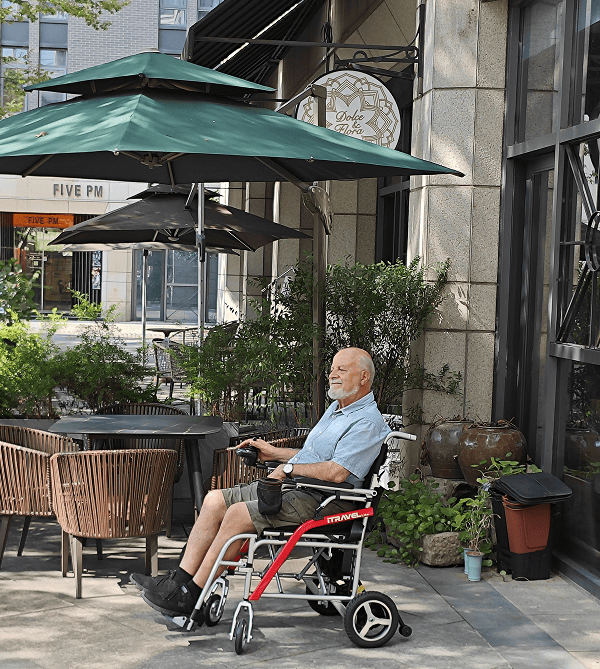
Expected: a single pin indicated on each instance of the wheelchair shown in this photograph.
(331, 576)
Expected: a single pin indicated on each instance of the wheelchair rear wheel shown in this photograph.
(371, 619)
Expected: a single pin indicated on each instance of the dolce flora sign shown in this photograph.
(358, 105)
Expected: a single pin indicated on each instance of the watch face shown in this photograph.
(288, 468)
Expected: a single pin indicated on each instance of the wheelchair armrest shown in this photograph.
(326, 484)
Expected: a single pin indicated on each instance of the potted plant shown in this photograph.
(475, 516)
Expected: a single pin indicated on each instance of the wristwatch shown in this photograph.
(288, 468)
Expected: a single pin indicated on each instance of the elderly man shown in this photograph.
(341, 447)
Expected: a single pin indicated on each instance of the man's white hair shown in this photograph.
(365, 362)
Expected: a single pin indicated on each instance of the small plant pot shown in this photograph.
(474, 561)
(466, 549)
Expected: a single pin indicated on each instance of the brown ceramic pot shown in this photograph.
(480, 443)
(582, 447)
(442, 443)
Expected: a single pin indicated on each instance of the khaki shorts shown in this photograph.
(297, 506)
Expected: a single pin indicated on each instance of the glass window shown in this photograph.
(58, 17)
(14, 56)
(172, 12)
(586, 98)
(538, 69)
(54, 60)
(204, 6)
(15, 34)
(171, 41)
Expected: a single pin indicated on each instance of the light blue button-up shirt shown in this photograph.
(351, 436)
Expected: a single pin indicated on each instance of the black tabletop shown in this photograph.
(190, 427)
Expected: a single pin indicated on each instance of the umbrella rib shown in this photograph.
(288, 176)
(33, 168)
(171, 175)
(241, 241)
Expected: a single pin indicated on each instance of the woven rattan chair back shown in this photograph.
(230, 470)
(147, 409)
(25, 488)
(112, 494)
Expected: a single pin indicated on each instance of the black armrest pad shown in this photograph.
(328, 484)
(271, 464)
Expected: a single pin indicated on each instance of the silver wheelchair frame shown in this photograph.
(370, 618)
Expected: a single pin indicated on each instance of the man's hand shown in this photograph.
(266, 451)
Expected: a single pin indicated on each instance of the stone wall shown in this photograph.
(458, 121)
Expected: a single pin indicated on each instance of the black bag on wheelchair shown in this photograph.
(269, 497)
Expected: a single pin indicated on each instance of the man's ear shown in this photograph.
(364, 377)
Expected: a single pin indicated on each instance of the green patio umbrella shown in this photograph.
(156, 119)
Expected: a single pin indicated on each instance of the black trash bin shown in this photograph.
(521, 493)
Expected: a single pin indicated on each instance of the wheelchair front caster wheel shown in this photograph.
(241, 636)
(212, 614)
(371, 619)
(405, 630)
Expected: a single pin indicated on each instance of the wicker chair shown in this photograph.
(25, 488)
(229, 470)
(110, 495)
(148, 409)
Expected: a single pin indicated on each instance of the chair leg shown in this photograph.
(77, 560)
(169, 518)
(64, 552)
(152, 555)
(24, 531)
(99, 553)
(4, 527)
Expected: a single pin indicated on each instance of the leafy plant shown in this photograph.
(270, 354)
(495, 468)
(85, 310)
(16, 292)
(28, 369)
(409, 513)
(100, 370)
(384, 308)
(473, 520)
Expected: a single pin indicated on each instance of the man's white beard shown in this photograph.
(340, 394)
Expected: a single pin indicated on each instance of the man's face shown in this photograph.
(345, 376)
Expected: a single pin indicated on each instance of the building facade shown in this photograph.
(506, 91)
(34, 210)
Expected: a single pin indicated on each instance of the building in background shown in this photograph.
(33, 210)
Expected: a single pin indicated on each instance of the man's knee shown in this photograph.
(213, 506)
(238, 516)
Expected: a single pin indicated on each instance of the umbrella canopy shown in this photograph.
(152, 69)
(160, 220)
(175, 137)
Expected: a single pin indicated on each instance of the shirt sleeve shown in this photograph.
(360, 445)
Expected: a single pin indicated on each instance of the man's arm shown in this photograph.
(326, 471)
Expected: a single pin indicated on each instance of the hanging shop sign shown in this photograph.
(43, 220)
(359, 105)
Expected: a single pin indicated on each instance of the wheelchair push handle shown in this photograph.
(400, 435)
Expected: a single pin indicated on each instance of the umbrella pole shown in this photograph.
(200, 245)
(144, 293)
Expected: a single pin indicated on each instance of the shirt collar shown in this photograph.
(355, 406)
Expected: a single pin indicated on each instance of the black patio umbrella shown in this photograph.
(161, 220)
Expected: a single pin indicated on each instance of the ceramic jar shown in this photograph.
(442, 443)
(478, 443)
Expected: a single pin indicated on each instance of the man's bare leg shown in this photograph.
(235, 521)
(204, 531)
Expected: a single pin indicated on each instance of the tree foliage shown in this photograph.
(16, 292)
(383, 308)
(93, 12)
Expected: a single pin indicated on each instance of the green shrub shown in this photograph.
(100, 370)
(409, 513)
(27, 379)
